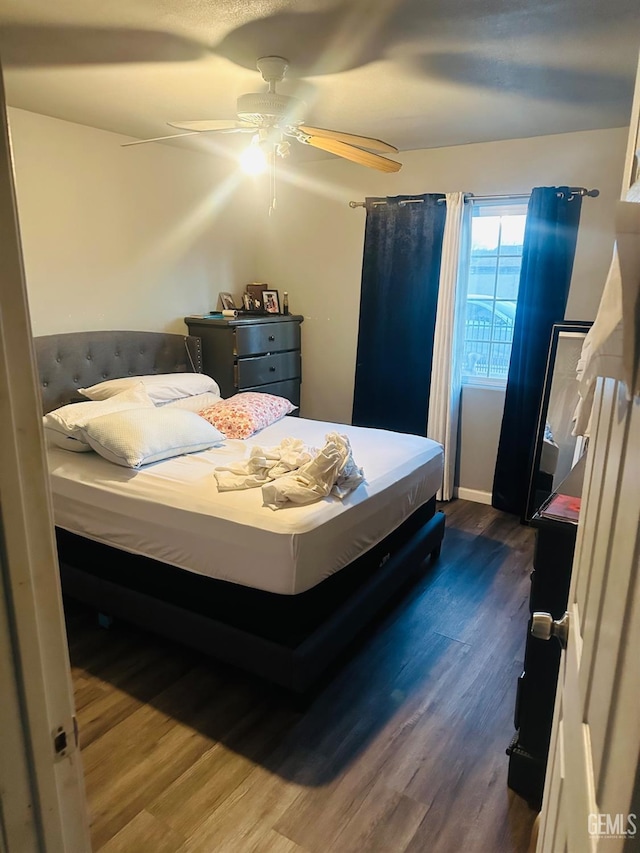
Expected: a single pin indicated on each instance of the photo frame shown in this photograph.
(271, 301)
(255, 291)
(227, 301)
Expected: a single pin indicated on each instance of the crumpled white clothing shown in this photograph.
(612, 348)
(331, 470)
(264, 464)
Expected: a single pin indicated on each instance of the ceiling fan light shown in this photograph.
(254, 159)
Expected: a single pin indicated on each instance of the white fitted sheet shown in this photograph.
(171, 510)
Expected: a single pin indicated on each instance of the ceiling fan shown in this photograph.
(272, 118)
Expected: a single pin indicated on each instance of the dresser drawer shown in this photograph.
(289, 389)
(266, 337)
(267, 369)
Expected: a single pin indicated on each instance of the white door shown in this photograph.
(589, 798)
(42, 804)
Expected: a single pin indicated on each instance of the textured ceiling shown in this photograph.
(418, 73)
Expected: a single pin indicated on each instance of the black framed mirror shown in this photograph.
(556, 450)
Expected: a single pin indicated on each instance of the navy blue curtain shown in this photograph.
(398, 299)
(549, 247)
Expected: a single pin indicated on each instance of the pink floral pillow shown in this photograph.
(243, 414)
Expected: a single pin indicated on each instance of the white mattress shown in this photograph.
(171, 511)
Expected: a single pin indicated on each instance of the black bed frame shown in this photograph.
(289, 640)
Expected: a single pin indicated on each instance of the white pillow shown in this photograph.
(197, 403)
(161, 387)
(63, 426)
(140, 436)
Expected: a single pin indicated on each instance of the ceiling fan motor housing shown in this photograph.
(258, 107)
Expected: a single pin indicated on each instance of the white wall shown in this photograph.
(313, 249)
(132, 238)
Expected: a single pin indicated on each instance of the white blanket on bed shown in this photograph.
(293, 473)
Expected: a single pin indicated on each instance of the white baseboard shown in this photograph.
(475, 495)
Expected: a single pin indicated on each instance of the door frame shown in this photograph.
(42, 799)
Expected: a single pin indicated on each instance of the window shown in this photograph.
(497, 233)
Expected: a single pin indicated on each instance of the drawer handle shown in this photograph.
(272, 370)
(272, 337)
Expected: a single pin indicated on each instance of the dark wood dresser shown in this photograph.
(252, 353)
(535, 698)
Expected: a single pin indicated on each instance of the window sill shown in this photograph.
(483, 382)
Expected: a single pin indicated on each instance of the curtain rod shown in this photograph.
(575, 191)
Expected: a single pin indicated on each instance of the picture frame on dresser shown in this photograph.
(227, 301)
(255, 291)
(271, 301)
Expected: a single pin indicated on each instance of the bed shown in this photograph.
(280, 594)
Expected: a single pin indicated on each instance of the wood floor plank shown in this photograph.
(385, 820)
(106, 709)
(114, 803)
(133, 737)
(138, 758)
(273, 842)
(373, 735)
(474, 812)
(219, 771)
(245, 819)
(402, 751)
(144, 834)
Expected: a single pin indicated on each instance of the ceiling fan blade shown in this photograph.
(212, 125)
(159, 138)
(228, 128)
(351, 138)
(357, 155)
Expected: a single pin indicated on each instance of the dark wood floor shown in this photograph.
(403, 749)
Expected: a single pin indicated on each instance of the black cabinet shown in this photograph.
(252, 353)
(536, 690)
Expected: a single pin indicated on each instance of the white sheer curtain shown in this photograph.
(446, 382)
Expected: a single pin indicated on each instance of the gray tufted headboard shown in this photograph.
(75, 360)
